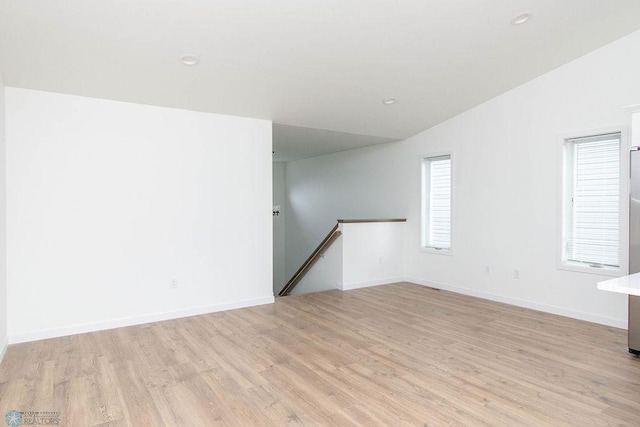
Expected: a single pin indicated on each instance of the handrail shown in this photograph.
(326, 242)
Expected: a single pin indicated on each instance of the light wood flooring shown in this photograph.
(391, 355)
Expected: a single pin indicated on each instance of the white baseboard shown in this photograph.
(357, 285)
(136, 320)
(3, 349)
(589, 317)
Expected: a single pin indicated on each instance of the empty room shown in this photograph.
(320, 213)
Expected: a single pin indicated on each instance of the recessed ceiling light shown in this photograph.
(389, 101)
(521, 19)
(189, 60)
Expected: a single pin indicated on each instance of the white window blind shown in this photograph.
(593, 222)
(437, 202)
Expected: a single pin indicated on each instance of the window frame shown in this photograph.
(564, 203)
(424, 223)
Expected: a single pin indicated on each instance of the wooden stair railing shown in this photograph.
(306, 266)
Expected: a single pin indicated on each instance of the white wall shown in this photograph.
(3, 238)
(279, 199)
(505, 192)
(373, 253)
(108, 202)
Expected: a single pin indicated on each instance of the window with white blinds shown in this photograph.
(592, 201)
(436, 202)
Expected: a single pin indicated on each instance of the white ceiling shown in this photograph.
(320, 64)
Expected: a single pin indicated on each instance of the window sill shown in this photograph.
(602, 271)
(447, 252)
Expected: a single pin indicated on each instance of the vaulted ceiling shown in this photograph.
(309, 65)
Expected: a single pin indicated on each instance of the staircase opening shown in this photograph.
(355, 253)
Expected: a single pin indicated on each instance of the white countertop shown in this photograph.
(629, 285)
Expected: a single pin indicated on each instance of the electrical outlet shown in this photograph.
(487, 269)
(174, 284)
(516, 273)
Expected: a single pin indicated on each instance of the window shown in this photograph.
(591, 200)
(436, 202)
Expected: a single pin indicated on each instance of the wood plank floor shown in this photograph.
(398, 354)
